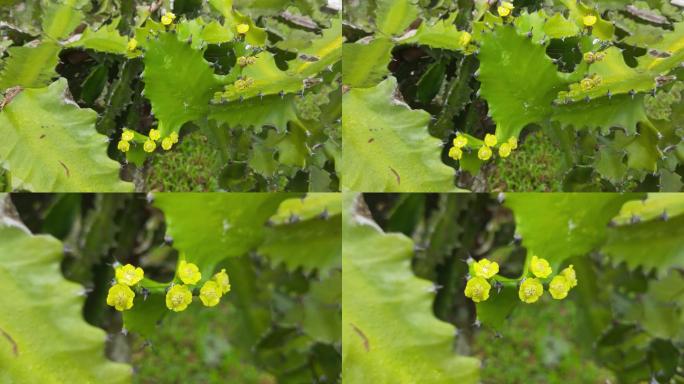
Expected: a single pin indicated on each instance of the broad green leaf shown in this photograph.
(30, 67)
(443, 35)
(272, 110)
(621, 111)
(519, 81)
(387, 147)
(178, 82)
(44, 338)
(60, 18)
(394, 16)
(656, 206)
(389, 334)
(318, 313)
(208, 228)
(51, 145)
(365, 65)
(323, 51)
(104, 39)
(672, 45)
(561, 225)
(311, 243)
(652, 245)
(610, 163)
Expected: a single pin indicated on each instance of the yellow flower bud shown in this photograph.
(540, 267)
(504, 150)
(460, 141)
(587, 84)
(155, 134)
(455, 153)
(210, 293)
(477, 289)
(127, 135)
(167, 143)
(188, 272)
(168, 18)
(513, 142)
(178, 298)
(530, 290)
(505, 9)
(222, 280)
(129, 275)
(120, 297)
(242, 28)
(559, 287)
(589, 57)
(123, 146)
(589, 20)
(149, 146)
(174, 137)
(132, 44)
(486, 269)
(570, 276)
(490, 140)
(484, 153)
(465, 38)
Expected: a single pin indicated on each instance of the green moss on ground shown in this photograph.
(193, 347)
(537, 346)
(534, 166)
(194, 165)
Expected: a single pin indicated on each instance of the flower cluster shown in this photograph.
(178, 296)
(242, 84)
(244, 61)
(593, 57)
(530, 289)
(149, 142)
(168, 18)
(486, 151)
(590, 82)
(477, 288)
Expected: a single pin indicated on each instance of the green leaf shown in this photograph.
(610, 163)
(104, 39)
(498, 307)
(394, 16)
(210, 228)
(178, 82)
(50, 144)
(387, 145)
(312, 243)
(60, 18)
(414, 347)
(519, 81)
(558, 226)
(621, 111)
(44, 337)
(656, 206)
(30, 67)
(443, 35)
(311, 206)
(318, 313)
(270, 110)
(365, 65)
(652, 245)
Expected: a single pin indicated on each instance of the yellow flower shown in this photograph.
(149, 146)
(559, 287)
(505, 9)
(210, 294)
(222, 280)
(174, 137)
(530, 290)
(155, 134)
(540, 267)
(513, 142)
(129, 275)
(188, 272)
(587, 84)
(460, 141)
(490, 140)
(570, 276)
(589, 20)
(504, 150)
(242, 28)
(485, 268)
(167, 143)
(589, 57)
(455, 153)
(485, 153)
(168, 18)
(477, 289)
(132, 44)
(123, 146)
(465, 38)
(127, 135)
(120, 297)
(178, 298)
